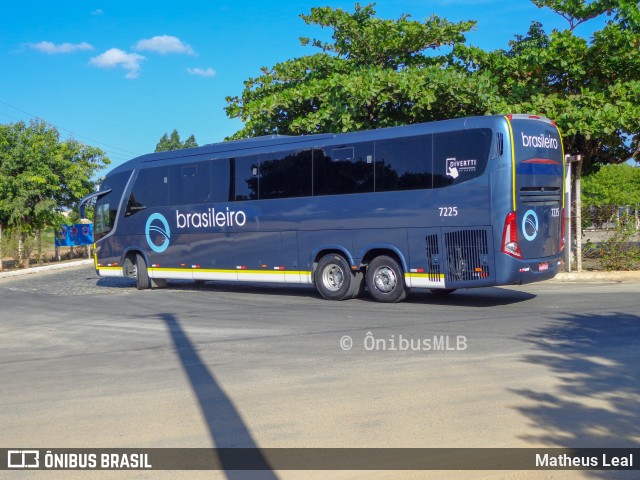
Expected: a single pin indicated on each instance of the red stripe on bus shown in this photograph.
(541, 160)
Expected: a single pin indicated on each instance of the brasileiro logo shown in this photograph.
(539, 141)
(530, 225)
(157, 228)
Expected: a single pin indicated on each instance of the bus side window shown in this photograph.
(404, 163)
(221, 180)
(460, 156)
(286, 174)
(189, 184)
(246, 178)
(150, 190)
(343, 169)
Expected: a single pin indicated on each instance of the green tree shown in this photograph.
(589, 87)
(173, 142)
(612, 185)
(374, 73)
(40, 175)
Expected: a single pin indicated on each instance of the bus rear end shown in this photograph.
(533, 231)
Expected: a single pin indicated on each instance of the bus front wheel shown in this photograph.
(333, 278)
(385, 280)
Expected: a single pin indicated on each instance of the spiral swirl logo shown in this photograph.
(530, 225)
(157, 228)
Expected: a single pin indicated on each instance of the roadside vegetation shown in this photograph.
(40, 177)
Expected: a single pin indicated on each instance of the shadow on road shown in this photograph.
(474, 297)
(596, 363)
(226, 426)
(471, 297)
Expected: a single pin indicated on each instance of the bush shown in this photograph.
(17, 245)
(622, 251)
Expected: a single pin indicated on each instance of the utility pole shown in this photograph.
(571, 159)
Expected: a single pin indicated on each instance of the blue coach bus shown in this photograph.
(463, 203)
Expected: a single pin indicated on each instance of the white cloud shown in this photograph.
(52, 48)
(115, 57)
(202, 72)
(164, 44)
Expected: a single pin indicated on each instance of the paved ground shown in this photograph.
(87, 362)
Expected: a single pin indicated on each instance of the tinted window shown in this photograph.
(460, 156)
(221, 180)
(403, 163)
(343, 169)
(151, 189)
(106, 209)
(246, 178)
(190, 183)
(287, 175)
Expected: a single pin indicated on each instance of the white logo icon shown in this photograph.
(530, 225)
(23, 459)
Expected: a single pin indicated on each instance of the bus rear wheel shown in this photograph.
(385, 280)
(333, 278)
(141, 274)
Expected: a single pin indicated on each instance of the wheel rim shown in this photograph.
(385, 279)
(333, 278)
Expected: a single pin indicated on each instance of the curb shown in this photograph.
(45, 268)
(631, 276)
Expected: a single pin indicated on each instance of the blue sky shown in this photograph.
(118, 74)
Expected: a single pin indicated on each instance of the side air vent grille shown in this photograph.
(467, 256)
(498, 148)
(433, 255)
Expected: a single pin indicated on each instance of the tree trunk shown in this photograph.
(39, 240)
(1, 255)
(20, 259)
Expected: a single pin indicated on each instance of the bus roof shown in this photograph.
(274, 143)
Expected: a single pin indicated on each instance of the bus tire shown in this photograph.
(333, 278)
(129, 267)
(357, 285)
(143, 281)
(385, 280)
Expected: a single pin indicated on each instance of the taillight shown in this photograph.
(510, 236)
(562, 232)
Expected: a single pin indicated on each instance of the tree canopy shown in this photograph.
(591, 88)
(41, 175)
(173, 142)
(376, 73)
(612, 185)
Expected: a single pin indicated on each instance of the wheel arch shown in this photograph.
(373, 251)
(131, 252)
(320, 252)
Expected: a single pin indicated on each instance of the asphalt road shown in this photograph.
(94, 363)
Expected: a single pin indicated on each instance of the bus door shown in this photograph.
(538, 187)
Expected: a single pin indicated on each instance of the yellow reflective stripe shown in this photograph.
(239, 271)
(564, 164)
(424, 275)
(188, 269)
(513, 164)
